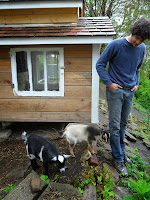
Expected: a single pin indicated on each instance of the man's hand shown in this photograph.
(114, 87)
(135, 88)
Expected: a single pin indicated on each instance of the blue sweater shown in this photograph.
(124, 60)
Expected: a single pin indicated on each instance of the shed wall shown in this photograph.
(42, 15)
(75, 106)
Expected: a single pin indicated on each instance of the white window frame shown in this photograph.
(31, 92)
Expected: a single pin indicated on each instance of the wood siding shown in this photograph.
(75, 106)
(34, 16)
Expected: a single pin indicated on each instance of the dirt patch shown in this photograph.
(13, 155)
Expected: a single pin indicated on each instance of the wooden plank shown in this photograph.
(6, 92)
(5, 65)
(4, 49)
(70, 82)
(76, 64)
(45, 116)
(4, 54)
(71, 51)
(44, 105)
(41, 11)
(31, 19)
(78, 75)
(5, 79)
(71, 92)
(78, 51)
(83, 92)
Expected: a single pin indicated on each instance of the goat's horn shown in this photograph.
(66, 156)
(54, 159)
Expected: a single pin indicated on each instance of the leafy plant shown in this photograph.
(141, 190)
(135, 134)
(141, 187)
(101, 178)
(45, 177)
(9, 188)
(56, 177)
(138, 165)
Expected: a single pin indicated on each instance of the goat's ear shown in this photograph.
(67, 156)
(54, 159)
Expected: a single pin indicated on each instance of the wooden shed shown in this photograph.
(48, 52)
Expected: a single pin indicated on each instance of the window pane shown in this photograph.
(37, 70)
(52, 60)
(22, 71)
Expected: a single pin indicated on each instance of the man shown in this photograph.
(125, 57)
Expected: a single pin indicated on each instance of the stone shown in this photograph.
(4, 134)
(90, 193)
(147, 144)
(19, 172)
(130, 137)
(94, 160)
(106, 146)
(36, 184)
(121, 192)
(94, 144)
(108, 156)
(126, 141)
(140, 136)
(113, 172)
(133, 126)
(61, 191)
(23, 190)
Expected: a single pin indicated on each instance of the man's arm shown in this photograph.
(109, 52)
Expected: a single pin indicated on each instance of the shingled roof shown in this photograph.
(86, 26)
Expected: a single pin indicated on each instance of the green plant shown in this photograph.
(145, 112)
(8, 189)
(141, 190)
(101, 178)
(135, 134)
(138, 165)
(141, 187)
(56, 177)
(45, 177)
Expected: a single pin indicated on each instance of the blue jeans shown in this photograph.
(119, 106)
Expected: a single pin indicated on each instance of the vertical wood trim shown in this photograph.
(95, 85)
(29, 65)
(61, 71)
(45, 72)
(14, 72)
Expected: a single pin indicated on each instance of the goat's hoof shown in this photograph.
(92, 152)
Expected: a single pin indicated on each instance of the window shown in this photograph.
(38, 71)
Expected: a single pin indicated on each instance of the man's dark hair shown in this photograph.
(141, 28)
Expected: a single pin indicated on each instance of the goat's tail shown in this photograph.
(24, 136)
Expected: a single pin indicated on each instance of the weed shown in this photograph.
(57, 177)
(141, 190)
(138, 165)
(101, 178)
(45, 177)
(135, 134)
(8, 189)
(141, 187)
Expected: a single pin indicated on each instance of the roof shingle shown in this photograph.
(86, 26)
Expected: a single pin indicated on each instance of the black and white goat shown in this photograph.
(76, 133)
(41, 148)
